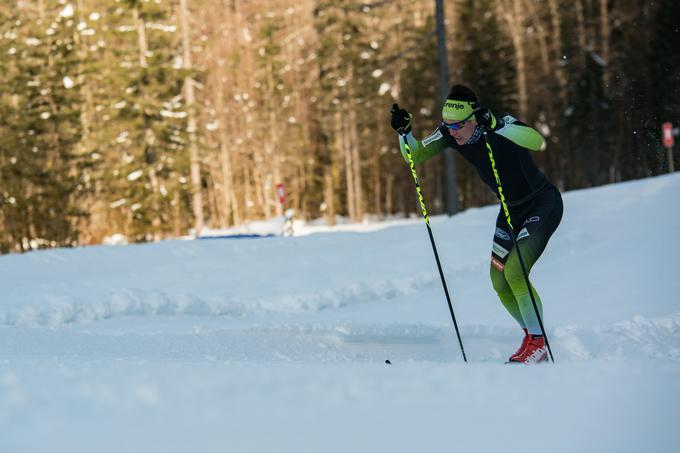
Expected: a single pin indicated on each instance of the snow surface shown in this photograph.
(278, 344)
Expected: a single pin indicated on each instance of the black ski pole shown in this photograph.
(514, 243)
(434, 247)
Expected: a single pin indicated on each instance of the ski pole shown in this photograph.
(434, 247)
(514, 242)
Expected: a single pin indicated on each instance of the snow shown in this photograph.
(171, 114)
(67, 11)
(279, 344)
(135, 175)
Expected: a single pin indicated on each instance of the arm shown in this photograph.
(520, 134)
(421, 150)
(508, 127)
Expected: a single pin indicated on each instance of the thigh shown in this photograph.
(536, 228)
(502, 243)
(533, 226)
(541, 218)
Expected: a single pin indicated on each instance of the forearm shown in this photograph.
(422, 150)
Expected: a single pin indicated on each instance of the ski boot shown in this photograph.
(525, 341)
(534, 352)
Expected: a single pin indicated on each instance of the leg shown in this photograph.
(502, 244)
(505, 294)
(539, 223)
(515, 278)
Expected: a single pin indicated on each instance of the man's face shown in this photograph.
(462, 135)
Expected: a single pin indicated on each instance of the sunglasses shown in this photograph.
(458, 124)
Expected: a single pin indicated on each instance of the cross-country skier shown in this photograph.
(535, 204)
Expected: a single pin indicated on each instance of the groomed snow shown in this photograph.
(279, 344)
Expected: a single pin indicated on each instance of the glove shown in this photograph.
(485, 118)
(401, 120)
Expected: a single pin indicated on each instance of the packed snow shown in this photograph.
(278, 344)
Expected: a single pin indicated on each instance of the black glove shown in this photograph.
(486, 119)
(401, 120)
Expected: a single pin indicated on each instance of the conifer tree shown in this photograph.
(41, 129)
(147, 153)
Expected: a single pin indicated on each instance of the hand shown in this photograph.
(485, 118)
(401, 120)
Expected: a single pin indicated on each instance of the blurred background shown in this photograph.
(151, 119)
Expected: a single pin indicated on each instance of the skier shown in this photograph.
(534, 203)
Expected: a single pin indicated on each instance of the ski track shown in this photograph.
(61, 326)
(656, 338)
(57, 311)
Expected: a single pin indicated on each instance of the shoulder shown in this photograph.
(507, 120)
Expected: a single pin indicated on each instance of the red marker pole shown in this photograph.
(281, 192)
(668, 141)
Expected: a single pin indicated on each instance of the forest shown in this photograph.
(157, 119)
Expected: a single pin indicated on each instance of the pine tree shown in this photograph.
(145, 138)
(40, 166)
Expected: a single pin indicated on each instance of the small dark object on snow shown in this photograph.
(388, 362)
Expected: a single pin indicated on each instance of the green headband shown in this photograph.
(456, 110)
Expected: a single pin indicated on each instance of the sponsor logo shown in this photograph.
(532, 219)
(539, 355)
(500, 251)
(434, 137)
(454, 105)
(501, 234)
(497, 264)
(498, 179)
(523, 234)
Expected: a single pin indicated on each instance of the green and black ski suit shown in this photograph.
(535, 204)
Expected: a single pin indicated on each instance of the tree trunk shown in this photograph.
(149, 141)
(377, 187)
(149, 136)
(329, 194)
(451, 186)
(389, 188)
(353, 145)
(566, 151)
(273, 155)
(514, 18)
(196, 184)
(542, 37)
(229, 202)
(356, 166)
(604, 32)
(557, 51)
(580, 27)
(343, 146)
(141, 37)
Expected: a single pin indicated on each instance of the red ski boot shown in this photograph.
(534, 352)
(525, 341)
